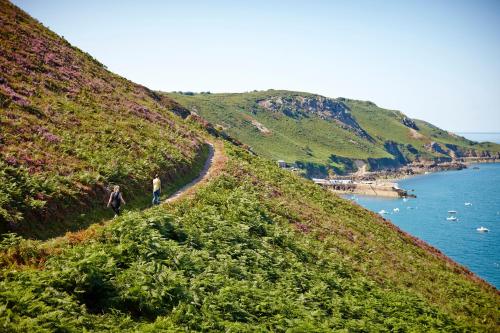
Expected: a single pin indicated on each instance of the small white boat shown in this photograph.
(395, 210)
(452, 216)
(482, 229)
(382, 212)
(405, 199)
(468, 203)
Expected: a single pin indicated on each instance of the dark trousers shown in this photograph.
(156, 197)
(116, 209)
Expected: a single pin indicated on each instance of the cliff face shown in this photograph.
(409, 123)
(329, 109)
(435, 148)
(459, 152)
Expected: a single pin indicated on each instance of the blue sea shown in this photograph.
(438, 193)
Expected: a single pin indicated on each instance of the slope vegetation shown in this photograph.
(71, 130)
(315, 131)
(252, 248)
(255, 249)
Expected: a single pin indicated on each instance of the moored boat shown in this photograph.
(452, 215)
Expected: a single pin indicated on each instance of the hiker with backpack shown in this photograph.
(156, 190)
(115, 200)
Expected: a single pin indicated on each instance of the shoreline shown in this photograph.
(481, 161)
(383, 183)
(377, 192)
(371, 188)
(411, 170)
(433, 211)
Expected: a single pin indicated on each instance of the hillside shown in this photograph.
(255, 249)
(252, 248)
(71, 129)
(317, 132)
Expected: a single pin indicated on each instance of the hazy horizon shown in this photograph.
(436, 61)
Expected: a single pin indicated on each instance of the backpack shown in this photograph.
(115, 199)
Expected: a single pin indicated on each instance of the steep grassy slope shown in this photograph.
(70, 129)
(257, 249)
(393, 126)
(305, 128)
(293, 137)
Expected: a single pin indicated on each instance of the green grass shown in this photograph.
(293, 140)
(311, 140)
(71, 130)
(135, 201)
(386, 125)
(256, 249)
(447, 138)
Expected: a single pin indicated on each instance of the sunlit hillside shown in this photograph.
(70, 129)
(248, 248)
(318, 132)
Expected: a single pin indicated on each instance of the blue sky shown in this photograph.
(433, 60)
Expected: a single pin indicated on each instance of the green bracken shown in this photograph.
(244, 255)
(253, 249)
(70, 130)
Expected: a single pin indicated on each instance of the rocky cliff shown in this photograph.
(297, 106)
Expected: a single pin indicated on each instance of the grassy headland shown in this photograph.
(320, 133)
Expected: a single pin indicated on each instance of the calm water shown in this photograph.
(425, 216)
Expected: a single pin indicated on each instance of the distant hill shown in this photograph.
(320, 132)
(70, 129)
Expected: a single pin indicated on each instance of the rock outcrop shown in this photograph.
(330, 109)
(436, 148)
(409, 123)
